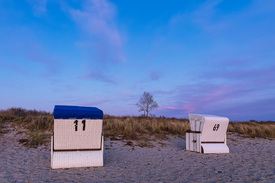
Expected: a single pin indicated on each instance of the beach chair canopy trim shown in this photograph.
(77, 112)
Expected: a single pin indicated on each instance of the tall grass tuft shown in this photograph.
(253, 129)
(36, 138)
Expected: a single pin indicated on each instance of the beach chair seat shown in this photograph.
(77, 140)
(207, 134)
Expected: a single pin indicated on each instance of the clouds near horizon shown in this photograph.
(212, 56)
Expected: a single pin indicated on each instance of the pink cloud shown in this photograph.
(210, 96)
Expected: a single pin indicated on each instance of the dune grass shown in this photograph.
(136, 128)
(254, 129)
(29, 119)
(1, 127)
(39, 124)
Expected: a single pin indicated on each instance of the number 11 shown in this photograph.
(76, 123)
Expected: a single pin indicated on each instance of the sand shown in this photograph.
(249, 160)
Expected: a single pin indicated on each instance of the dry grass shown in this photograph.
(253, 129)
(36, 138)
(2, 130)
(29, 119)
(136, 128)
(39, 124)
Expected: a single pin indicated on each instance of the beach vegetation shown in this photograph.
(252, 129)
(38, 126)
(135, 128)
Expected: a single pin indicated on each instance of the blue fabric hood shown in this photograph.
(77, 112)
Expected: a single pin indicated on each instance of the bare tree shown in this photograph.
(146, 103)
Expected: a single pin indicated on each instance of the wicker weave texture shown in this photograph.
(74, 159)
(193, 142)
(213, 128)
(215, 148)
(67, 137)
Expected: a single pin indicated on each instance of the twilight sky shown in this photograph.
(208, 57)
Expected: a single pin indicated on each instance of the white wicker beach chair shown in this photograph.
(207, 134)
(77, 140)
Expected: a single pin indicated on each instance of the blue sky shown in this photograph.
(210, 57)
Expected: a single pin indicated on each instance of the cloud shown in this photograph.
(199, 97)
(236, 96)
(100, 76)
(245, 74)
(39, 6)
(237, 72)
(155, 75)
(262, 7)
(23, 44)
(262, 109)
(36, 53)
(240, 70)
(14, 67)
(97, 19)
(203, 17)
(205, 13)
(95, 102)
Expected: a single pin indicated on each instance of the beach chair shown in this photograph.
(207, 134)
(77, 139)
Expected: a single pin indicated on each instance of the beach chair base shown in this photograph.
(193, 143)
(73, 159)
(214, 148)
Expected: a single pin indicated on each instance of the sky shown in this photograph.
(204, 57)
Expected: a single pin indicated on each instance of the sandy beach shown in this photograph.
(249, 160)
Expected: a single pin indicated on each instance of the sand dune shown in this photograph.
(249, 160)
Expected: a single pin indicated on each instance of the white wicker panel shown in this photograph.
(73, 159)
(187, 141)
(196, 122)
(198, 142)
(214, 129)
(193, 142)
(215, 148)
(198, 125)
(193, 125)
(66, 137)
(51, 151)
